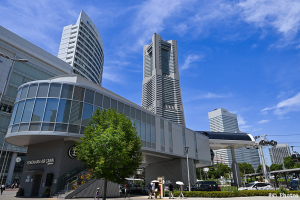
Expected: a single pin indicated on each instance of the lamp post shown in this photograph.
(4, 89)
(10, 70)
(187, 163)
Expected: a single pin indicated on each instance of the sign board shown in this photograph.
(48, 161)
(71, 152)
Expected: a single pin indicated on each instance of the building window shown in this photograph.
(51, 110)
(43, 90)
(54, 90)
(32, 91)
(63, 111)
(148, 133)
(19, 112)
(143, 131)
(67, 91)
(87, 114)
(27, 110)
(38, 111)
(76, 111)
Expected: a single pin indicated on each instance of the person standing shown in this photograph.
(157, 190)
(152, 189)
(2, 188)
(127, 190)
(97, 194)
(171, 188)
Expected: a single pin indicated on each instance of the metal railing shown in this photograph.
(63, 180)
(77, 181)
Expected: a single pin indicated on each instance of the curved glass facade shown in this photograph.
(68, 107)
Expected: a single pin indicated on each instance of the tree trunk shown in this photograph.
(105, 187)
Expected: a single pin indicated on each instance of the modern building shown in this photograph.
(41, 65)
(67, 103)
(279, 152)
(81, 46)
(161, 81)
(220, 120)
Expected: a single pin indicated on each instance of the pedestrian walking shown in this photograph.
(157, 190)
(2, 188)
(181, 194)
(127, 190)
(152, 189)
(149, 188)
(97, 194)
(171, 188)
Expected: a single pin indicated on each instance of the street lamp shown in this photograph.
(4, 89)
(187, 163)
(10, 70)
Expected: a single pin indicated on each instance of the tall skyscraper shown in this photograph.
(220, 120)
(279, 152)
(81, 46)
(161, 82)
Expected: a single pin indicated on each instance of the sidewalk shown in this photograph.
(10, 195)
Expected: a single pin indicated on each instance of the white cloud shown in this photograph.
(263, 121)
(191, 59)
(258, 129)
(241, 120)
(286, 106)
(283, 15)
(245, 128)
(150, 19)
(208, 95)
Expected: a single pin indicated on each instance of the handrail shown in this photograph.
(62, 180)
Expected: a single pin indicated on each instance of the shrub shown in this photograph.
(235, 193)
(282, 190)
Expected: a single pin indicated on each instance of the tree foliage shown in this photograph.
(275, 167)
(288, 162)
(259, 169)
(246, 168)
(223, 169)
(110, 147)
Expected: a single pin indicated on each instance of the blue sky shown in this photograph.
(239, 55)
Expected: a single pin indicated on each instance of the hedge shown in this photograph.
(244, 193)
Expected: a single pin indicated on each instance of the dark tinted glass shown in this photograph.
(148, 118)
(19, 112)
(66, 91)
(61, 127)
(120, 107)
(18, 94)
(143, 117)
(35, 127)
(51, 110)
(74, 129)
(15, 128)
(13, 113)
(126, 110)
(63, 111)
(138, 115)
(98, 99)
(54, 90)
(89, 96)
(82, 130)
(28, 110)
(32, 91)
(143, 131)
(24, 93)
(23, 127)
(132, 113)
(43, 90)
(113, 104)
(106, 102)
(78, 93)
(87, 113)
(38, 111)
(76, 112)
(47, 127)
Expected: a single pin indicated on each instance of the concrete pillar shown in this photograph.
(276, 183)
(235, 169)
(11, 167)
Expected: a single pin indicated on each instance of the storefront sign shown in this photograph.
(72, 153)
(18, 159)
(48, 161)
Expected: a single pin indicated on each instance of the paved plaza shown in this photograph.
(10, 195)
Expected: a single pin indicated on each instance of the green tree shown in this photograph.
(246, 168)
(288, 162)
(212, 173)
(110, 147)
(297, 165)
(275, 167)
(259, 169)
(223, 169)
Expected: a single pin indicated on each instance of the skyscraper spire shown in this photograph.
(161, 81)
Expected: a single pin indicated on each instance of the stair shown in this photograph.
(60, 194)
